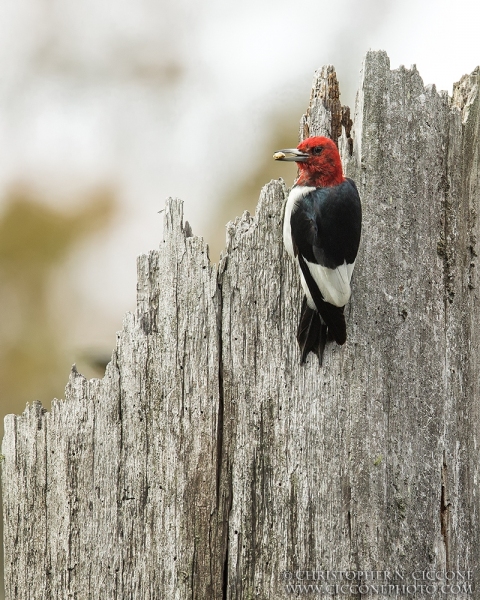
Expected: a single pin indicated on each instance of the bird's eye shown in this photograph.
(317, 150)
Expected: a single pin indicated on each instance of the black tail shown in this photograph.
(332, 315)
(334, 320)
(311, 333)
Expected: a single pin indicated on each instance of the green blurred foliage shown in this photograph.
(34, 241)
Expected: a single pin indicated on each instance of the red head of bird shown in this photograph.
(318, 161)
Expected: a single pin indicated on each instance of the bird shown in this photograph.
(321, 232)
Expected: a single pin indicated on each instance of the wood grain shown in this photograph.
(208, 462)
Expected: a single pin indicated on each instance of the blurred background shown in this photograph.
(107, 108)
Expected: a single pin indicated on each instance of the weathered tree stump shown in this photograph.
(208, 463)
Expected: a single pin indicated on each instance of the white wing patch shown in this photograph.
(334, 284)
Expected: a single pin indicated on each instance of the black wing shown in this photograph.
(326, 225)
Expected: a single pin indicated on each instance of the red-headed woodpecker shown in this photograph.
(321, 231)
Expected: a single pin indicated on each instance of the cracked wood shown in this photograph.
(207, 461)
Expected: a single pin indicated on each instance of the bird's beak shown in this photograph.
(297, 155)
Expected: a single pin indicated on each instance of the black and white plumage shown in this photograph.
(322, 228)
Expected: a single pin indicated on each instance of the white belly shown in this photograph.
(296, 193)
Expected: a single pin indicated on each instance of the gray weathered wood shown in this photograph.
(208, 462)
(113, 493)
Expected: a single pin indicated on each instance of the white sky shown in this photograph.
(83, 100)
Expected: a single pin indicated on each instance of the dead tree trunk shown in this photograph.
(209, 464)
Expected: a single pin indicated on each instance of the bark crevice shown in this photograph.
(238, 463)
